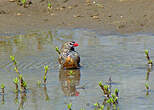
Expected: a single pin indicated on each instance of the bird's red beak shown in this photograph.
(76, 44)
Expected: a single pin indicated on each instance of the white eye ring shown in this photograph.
(71, 43)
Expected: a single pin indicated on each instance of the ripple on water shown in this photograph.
(120, 57)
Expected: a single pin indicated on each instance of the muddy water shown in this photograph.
(102, 56)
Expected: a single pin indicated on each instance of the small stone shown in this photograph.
(121, 16)
(75, 16)
(52, 14)
(95, 17)
(19, 14)
(2, 12)
(69, 7)
(12, 0)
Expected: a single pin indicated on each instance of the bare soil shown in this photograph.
(108, 16)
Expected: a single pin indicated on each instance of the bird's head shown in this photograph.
(70, 45)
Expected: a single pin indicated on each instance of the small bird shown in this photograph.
(68, 57)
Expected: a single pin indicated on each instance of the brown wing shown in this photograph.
(71, 60)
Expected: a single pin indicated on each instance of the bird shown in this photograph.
(68, 57)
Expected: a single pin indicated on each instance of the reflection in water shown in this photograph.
(2, 93)
(21, 43)
(3, 100)
(102, 56)
(69, 79)
(16, 100)
(46, 93)
(22, 100)
(148, 72)
(149, 68)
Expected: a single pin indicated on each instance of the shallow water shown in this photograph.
(120, 57)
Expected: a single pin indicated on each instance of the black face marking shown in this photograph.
(72, 43)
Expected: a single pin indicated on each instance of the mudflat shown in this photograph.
(108, 16)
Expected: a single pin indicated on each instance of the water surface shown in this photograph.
(120, 57)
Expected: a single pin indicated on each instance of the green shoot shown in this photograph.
(57, 50)
(147, 86)
(150, 62)
(15, 81)
(49, 6)
(106, 87)
(116, 91)
(111, 98)
(96, 104)
(39, 83)
(2, 86)
(100, 83)
(70, 72)
(146, 52)
(69, 106)
(148, 57)
(23, 2)
(46, 68)
(45, 73)
(12, 58)
(102, 107)
(23, 84)
(20, 76)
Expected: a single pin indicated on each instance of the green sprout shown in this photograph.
(45, 73)
(15, 81)
(99, 106)
(146, 52)
(147, 86)
(110, 100)
(45, 78)
(12, 58)
(23, 2)
(148, 57)
(96, 104)
(102, 107)
(106, 87)
(49, 6)
(20, 76)
(46, 68)
(57, 50)
(150, 62)
(69, 106)
(39, 83)
(116, 99)
(70, 72)
(24, 84)
(113, 96)
(116, 91)
(100, 83)
(2, 86)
